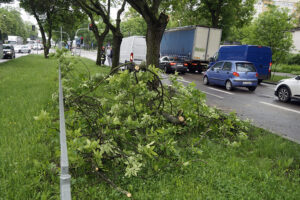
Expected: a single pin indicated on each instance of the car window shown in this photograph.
(165, 59)
(6, 47)
(245, 67)
(217, 66)
(227, 66)
(176, 59)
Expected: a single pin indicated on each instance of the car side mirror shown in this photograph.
(297, 78)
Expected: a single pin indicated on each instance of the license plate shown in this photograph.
(246, 83)
(179, 65)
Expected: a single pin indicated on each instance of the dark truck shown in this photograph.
(260, 56)
(196, 44)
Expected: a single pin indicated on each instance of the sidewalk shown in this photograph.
(283, 74)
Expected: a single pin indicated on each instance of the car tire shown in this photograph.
(259, 81)
(251, 88)
(205, 80)
(166, 70)
(29, 51)
(284, 94)
(228, 85)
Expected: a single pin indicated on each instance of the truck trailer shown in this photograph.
(196, 44)
(14, 40)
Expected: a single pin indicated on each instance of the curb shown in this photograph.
(268, 82)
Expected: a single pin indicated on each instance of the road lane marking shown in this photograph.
(213, 95)
(280, 107)
(184, 81)
(220, 90)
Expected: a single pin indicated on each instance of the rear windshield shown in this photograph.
(245, 67)
(176, 59)
(6, 47)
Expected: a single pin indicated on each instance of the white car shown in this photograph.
(288, 89)
(25, 49)
(17, 48)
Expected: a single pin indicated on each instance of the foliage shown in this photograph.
(121, 125)
(285, 68)
(271, 28)
(11, 23)
(221, 14)
(294, 59)
(133, 24)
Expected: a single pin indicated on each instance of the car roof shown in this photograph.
(235, 61)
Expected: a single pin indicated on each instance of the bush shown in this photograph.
(294, 60)
(130, 122)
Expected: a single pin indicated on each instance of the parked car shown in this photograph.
(133, 49)
(232, 74)
(8, 51)
(171, 64)
(25, 49)
(288, 89)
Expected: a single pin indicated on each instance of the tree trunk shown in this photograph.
(154, 35)
(99, 53)
(46, 51)
(117, 40)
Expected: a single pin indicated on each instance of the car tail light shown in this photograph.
(235, 74)
(194, 64)
(256, 74)
(131, 57)
(172, 63)
(185, 64)
(270, 66)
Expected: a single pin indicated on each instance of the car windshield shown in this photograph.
(6, 47)
(176, 59)
(245, 67)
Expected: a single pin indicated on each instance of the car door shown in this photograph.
(295, 87)
(163, 62)
(214, 74)
(225, 72)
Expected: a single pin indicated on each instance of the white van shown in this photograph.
(134, 49)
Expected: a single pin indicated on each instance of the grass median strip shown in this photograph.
(264, 166)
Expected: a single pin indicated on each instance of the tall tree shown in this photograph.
(46, 14)
(156, 21)
(272, 28)
(103, 10)
(96, 30)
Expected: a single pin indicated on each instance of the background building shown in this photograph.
(262, 5)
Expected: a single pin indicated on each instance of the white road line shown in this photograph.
(220, 90)
(280, 107)
(213, 95)
(184, 81)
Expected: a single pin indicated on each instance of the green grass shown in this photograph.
(264, 167)
(26, 86)
(285, 68)
(276, 78)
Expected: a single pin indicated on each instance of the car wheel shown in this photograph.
(228, 85)
(252, 88)
(166, 70)
(259, 81)
(205, 80)
(284, 94)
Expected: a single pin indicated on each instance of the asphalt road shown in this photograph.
(260, 106)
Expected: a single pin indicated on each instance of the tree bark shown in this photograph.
(117, 40)
(154, 35)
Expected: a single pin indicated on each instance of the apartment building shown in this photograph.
(262, 5)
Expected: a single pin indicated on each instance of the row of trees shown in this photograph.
(11, 23)
(151, 18)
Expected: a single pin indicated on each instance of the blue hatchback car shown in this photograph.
(232, 74)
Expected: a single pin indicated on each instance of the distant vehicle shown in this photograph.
(288, 89)
(232, 74)
(260, 56)
(133, 49)
(25, 49)
(171, 64)
(8, 51)
(17, 48)
(194, 43)
(14, 40)
(38, 47)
